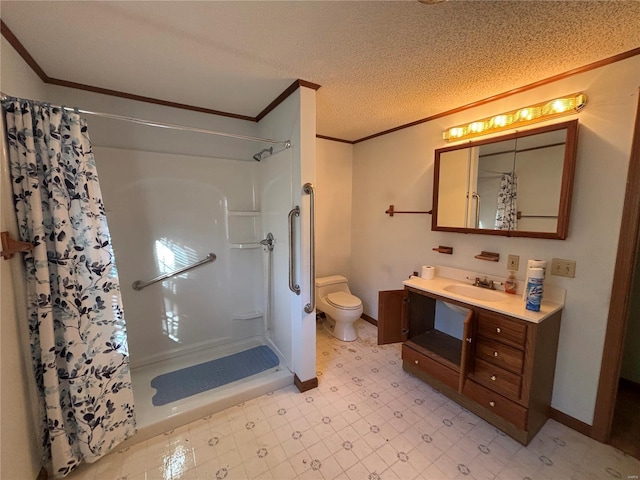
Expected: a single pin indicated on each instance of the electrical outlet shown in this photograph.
(563, 268)
(512, 262)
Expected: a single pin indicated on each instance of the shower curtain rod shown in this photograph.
(171, 126)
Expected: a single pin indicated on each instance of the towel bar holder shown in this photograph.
(391, 211)
(11, 246)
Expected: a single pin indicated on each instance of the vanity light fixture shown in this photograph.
(539, 112)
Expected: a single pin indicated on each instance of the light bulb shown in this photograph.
(477, 127)
(500, 120)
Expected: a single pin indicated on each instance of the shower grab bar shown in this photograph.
(311, 306)
(294, 287)
(139, 284)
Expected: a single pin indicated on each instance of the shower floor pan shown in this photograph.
(153, 420)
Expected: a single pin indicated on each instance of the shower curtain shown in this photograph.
(76, 323)
(507, 211)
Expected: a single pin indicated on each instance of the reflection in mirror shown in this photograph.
(517, 185)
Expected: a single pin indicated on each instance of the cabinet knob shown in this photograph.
(468, 339)
(495, 354)
(492, 403)
(498, 330)
(493, 377)
(416, 362)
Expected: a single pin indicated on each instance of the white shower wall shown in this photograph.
(276, 198)
(166, 211)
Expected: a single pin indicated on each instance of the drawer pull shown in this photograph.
(498, 330)
(493, 377)
(495, 354)
(416, 362)
(492, 403)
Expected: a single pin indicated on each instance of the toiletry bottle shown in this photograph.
(511, 285)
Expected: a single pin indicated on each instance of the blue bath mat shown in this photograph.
(200, 378)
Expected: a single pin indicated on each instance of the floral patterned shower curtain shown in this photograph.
(507, 211)
(76, 322)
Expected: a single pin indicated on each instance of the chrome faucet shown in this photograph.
(490, 284)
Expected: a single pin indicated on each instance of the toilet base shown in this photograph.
(345, 331)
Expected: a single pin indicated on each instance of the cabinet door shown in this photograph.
(392, 316)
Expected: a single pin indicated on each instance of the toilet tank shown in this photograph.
(333, 283)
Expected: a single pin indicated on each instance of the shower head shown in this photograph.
(258, 156)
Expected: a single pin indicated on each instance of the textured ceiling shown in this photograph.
(380, 64)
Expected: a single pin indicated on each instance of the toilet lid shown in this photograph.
(344, 300)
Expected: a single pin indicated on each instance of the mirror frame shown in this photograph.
(564, 207)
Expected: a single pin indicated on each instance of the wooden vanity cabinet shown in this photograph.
(502, 368)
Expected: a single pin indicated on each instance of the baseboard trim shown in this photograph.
(369, 319)
(569, 421)
(306, 385)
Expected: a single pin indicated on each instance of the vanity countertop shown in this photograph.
(512, 305)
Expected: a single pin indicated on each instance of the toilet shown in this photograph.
(341, 308)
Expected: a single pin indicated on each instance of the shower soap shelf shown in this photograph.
(247, 245)
(243, 213)
(253, 314)
(243, 228)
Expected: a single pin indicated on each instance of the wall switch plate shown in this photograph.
(512, 262)
(563, 268)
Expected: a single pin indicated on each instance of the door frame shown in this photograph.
(628, 247)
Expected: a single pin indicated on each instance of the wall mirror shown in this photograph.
(513, 185)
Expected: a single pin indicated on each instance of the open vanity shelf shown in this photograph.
(448, 348)
(502, 368)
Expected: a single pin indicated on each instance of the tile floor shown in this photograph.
(367, 420)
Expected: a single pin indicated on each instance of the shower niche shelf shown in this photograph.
(247, 245)
(243, 228)
(243, 213)
(251, 315)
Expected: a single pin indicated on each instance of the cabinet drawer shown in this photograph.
(440, 372)
(500, 355)
(497, 404)
(502, 329)
(497, 379)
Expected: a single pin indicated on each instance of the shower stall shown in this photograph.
(198, 227)
(202, 247)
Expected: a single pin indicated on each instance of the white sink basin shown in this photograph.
(476, 292)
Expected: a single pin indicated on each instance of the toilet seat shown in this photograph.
(344, 301)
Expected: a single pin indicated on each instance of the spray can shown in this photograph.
(534, 289)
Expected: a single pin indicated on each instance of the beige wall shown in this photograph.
(398, 169)
(333, 207)
(20, 452)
